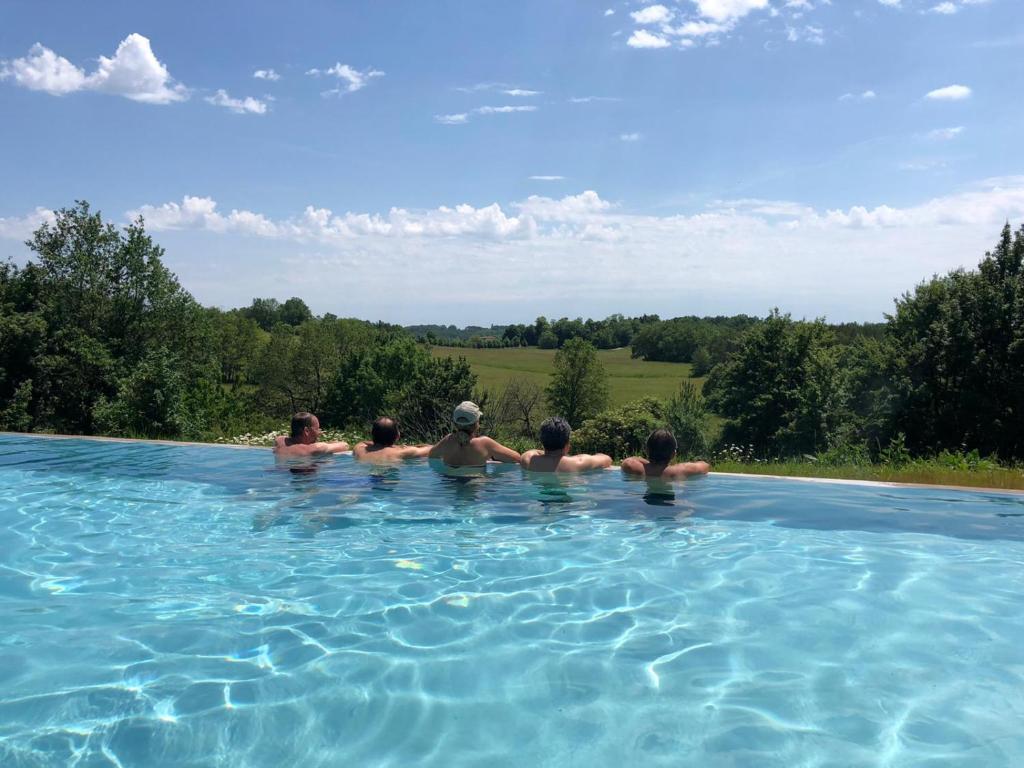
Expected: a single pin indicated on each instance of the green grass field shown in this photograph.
(628, 379)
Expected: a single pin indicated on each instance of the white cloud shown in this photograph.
(133, 72)
(652, 14)
(949, 93)
(751, 254)
(609, 12)
(22, 227)
(944, 134)
(44, 70)
(630, 137)
(248, 105)
(728, 10)
(456, 119)
(890, 3)
(351, 79)
(945, 9)
(520, 92)
(641, 38)
(588, 99)
(863, 96)
(547, 178)
(505, 109)
(266, 74)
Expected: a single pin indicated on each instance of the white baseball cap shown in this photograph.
(466, 414)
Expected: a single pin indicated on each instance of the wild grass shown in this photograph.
(920, 471)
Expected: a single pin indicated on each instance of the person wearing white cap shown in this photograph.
(463, 447)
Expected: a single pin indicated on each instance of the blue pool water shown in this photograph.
(182, 606)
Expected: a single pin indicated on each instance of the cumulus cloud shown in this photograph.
(728, 10)
(133, 72)
(949, 93)
(630, 137)
(652, 14)
(22, 227)
(350, 79)
(266, 74)
(609, 12)
(641, 38)
(748, 254)
(248, 105)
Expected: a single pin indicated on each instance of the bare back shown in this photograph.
(558, 461)
(663, 471)
(287, 448)
(383, 454)
(475, 452)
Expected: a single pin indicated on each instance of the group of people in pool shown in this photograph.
(465, 447)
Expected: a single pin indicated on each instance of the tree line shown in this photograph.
(97, 336)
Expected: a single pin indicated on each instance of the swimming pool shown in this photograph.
(165, 605)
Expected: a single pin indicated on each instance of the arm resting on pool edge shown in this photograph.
(499, 452)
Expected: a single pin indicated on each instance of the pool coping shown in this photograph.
(830, 480)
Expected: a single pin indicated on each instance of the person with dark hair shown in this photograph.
(383, 445)
(463, 447)
(661, 449)
(555, 435)
(302, 441)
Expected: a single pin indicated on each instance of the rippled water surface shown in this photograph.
(182, 606)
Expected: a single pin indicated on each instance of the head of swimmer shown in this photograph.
(305, 428)
(385, 432)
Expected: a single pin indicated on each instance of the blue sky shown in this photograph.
(452, 162)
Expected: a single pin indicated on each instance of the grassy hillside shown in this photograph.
(628, 379)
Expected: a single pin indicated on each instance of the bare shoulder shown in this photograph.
(634, 465)
(528, 456)
(689, 469)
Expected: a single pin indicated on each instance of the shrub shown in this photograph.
(620, 432)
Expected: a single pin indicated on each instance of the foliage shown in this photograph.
(621, 432)
(398, 378)
(782, 390)
(579, 385)
(687, 416)
(85, 314)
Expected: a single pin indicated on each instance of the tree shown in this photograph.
(92, 305)
(780, 390)
(547, 340)
(579, 385)
(294, 312)
(266, 312)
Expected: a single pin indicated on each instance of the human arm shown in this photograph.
(634, 465)
(689, 469)
(597, 461)
(499, 452)
(415, 451)
(338, 447)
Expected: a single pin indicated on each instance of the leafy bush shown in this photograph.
(620, 432)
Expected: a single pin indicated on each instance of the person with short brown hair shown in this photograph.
(555, 436)
(661, 449)
(383, 445)
(305, 431)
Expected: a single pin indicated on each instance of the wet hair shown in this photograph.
(661, 446)
(300, 422)
(555, 433)
(384, 431)
(463, 433)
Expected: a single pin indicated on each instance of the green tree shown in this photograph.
(294, 312)
(780, 389)
(578, 389)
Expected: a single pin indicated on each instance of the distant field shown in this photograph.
(628, 379)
